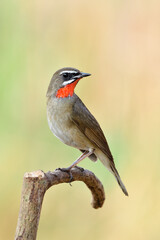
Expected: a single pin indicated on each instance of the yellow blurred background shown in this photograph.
(118, 42)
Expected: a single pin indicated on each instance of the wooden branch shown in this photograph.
(35, 184)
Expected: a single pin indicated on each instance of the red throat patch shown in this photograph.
(67, 91)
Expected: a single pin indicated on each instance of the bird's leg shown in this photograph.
(83, 156)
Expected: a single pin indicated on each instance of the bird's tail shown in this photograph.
(116, 174)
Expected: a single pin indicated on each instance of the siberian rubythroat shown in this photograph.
(73, 124)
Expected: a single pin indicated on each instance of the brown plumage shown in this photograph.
(72, 122)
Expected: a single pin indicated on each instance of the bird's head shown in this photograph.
(64, 81)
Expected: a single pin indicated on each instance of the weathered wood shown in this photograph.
(35, 184)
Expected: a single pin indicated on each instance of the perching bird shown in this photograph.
(73, 124)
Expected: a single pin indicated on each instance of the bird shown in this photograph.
(71, 121)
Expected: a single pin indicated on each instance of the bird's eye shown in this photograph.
(65, 75)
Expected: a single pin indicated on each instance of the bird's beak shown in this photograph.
(84, 74)
(81, 75)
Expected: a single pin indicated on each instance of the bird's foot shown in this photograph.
(80, 168)
(67, 170)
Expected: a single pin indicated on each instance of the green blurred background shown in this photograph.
(119, 43)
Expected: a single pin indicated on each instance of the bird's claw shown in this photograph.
(80, 168)
(67, 170)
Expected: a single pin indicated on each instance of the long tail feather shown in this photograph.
(116, 174)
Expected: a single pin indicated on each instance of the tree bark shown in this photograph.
(35, 184)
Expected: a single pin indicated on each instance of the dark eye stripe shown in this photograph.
(75, 73)
(68, 75)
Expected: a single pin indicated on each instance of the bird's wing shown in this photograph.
(89, 126)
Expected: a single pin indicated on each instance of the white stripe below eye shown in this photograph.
(68, 71)
(68, 82)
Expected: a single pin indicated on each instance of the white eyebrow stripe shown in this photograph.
(68, 71)
(68, 82)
